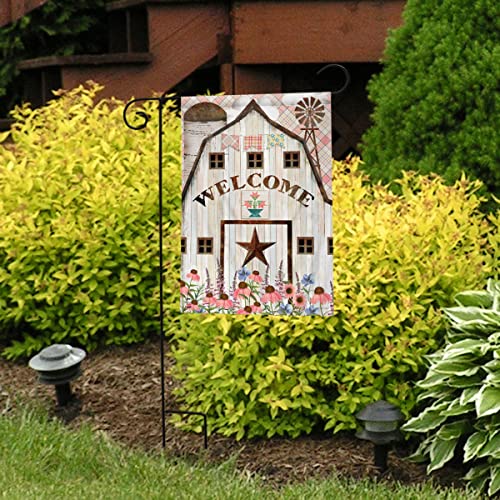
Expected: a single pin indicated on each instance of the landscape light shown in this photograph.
(381, 422)
(58, 365)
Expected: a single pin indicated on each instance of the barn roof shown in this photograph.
(253, 106)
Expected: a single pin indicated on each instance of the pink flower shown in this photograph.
(254, 195)
(320, 296)
(270, 295)
(262, 204)
(193, 306)
(256, 307)
(247, 204)
(184, 288)
(210, 299)
(245, 310)
(289, 290)
(243, 289)
(255, 276)
(224, 301)
(300, 301)
(193, 275)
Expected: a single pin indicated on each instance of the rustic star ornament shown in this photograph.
(255, 248)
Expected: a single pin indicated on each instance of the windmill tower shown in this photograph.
(310, 112)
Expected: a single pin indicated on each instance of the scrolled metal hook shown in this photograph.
(142, 114)
(346, 75)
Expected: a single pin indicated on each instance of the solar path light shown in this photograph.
(58, 365)
(380, 421)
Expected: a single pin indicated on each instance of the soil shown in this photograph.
(119, 393)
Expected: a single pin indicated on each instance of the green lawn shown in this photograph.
(40, 459)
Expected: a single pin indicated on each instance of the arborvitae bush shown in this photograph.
(436, 100)
(78, 225)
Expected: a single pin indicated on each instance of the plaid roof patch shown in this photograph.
(253, 142)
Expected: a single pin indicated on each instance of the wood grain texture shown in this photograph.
(182, 38)
(312, 31)
(12, 10)
(260, 79)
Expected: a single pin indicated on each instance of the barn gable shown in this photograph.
(254, 106)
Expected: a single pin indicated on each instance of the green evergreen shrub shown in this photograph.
(397, 261)
(78, 231)
(461, 392)
(436, 99)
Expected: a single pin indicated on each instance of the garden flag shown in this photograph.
(257, 204)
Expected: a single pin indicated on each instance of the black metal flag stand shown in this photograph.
(162, 100)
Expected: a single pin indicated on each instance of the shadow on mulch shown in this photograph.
(119, 394)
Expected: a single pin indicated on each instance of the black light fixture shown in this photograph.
(381, 421)
(58, 365)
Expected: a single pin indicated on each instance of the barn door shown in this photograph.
(256, 245)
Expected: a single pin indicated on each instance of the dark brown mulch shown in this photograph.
(119, 393)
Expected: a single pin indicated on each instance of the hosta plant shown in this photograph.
(462, 389)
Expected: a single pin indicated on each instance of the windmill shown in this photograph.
(309, 112)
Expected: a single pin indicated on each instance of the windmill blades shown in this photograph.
(309, 111)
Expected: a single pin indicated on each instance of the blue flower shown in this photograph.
(286, 308)
(307, 279)
(243, 274)
(312, 309)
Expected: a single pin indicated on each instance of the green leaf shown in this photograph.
(477, 471)
(474, 298)
(488, 401)
(493, 379)
(494, 481)
(457, 368)
(464, 382)
(454, 429)
(469, 395)
(493, 286)
(429, 419)
(479, 483)
(432, 380)
(441, 451)
(491, 446)
(467, 347)
(474, 444)
(457, 408)
(441, 392)
(466, 315)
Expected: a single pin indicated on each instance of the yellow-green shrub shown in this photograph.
(397, 261)
(78, 256)
(78, 224)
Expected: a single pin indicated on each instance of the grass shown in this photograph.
(40, 459)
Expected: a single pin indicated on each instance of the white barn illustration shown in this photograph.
(253, 198)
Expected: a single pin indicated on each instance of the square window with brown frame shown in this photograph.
(291, 159)
(216, 160)
(205, 245)
(330, 246)
(305, 245)
(255, 160)
(183, 244)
